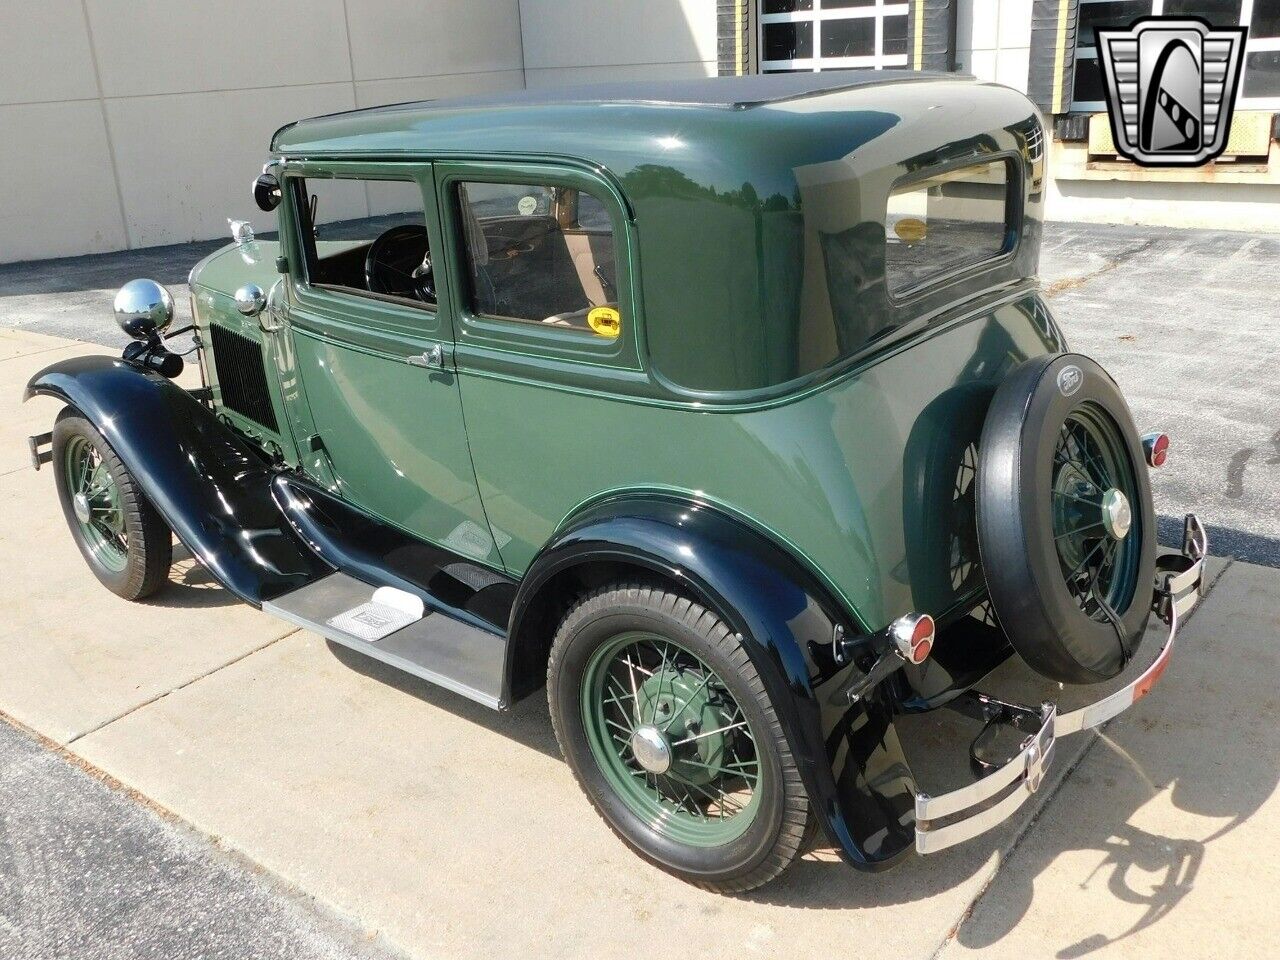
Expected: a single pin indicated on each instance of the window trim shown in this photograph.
(347, 311)
(1015, 196)
(307, 242)
(526, 338)
(878, 59)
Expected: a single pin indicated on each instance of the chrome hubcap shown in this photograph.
(651, 749)
(1117, 515)
(80, 504)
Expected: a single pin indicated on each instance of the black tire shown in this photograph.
(149, 552)
(1045, 623)
(777, 832)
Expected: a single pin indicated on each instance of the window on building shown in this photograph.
(1260, 85)
(540, 254)
(940, 225)
(802, 35)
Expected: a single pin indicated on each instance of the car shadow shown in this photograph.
(526, 723)
(1140, 866)
(1134, 811)
(190, 586)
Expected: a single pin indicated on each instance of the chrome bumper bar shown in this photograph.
(950, 818)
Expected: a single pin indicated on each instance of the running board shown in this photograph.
(436, 647)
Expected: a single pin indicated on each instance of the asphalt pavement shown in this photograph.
(1188, 322)
(88, 872)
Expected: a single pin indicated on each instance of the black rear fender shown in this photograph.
(853, 766)
(209, 485)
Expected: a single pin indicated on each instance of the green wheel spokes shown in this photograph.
(671, 739)
(96, 503)
(1097, 536)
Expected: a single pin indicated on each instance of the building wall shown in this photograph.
(587, 41)
(131, 123)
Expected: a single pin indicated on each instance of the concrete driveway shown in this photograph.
(451, 831)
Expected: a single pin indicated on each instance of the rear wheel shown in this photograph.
(122, 538)
(667, 728)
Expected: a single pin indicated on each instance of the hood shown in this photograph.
(236, 264)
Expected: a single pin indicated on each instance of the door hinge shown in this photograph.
(432, 358)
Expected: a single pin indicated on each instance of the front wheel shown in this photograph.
(122, 538)
(666, 725)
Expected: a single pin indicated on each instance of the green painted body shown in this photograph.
(814, 406)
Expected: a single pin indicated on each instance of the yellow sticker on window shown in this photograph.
(910, 230)
(605, 321)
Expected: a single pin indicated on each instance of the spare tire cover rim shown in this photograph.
(1093, 488)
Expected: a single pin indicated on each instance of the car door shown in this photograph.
(374, 350)
(547, 343)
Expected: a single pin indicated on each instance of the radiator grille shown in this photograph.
(242, 377)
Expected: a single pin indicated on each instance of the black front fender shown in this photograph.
(211, 488)
(850, 758)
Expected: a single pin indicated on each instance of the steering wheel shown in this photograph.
(399, 264)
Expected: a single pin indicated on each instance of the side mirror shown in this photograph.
(143, 309)
(266, 192)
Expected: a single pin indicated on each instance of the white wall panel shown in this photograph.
(372, 93)
(187, 161)
(147, 47)
(413, 38)
(44, 53)
(1249, 207)
(62, 208)
(1012, 65)
(583, 33)
(978, 24)
(567, 76)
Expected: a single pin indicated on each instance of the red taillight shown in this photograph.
(913, 636)
(1155, 446)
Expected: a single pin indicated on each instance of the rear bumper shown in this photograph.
(950, 818)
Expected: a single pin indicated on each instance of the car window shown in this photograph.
(367, 237)
(939, 225)
(540, 254)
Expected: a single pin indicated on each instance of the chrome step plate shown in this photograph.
(436, 647)
(388, 611)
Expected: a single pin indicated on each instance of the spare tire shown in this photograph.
(1066, 527)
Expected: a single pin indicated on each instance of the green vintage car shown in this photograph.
(729, 410)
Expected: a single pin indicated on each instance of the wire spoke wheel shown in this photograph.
(122, 538)
(1094, 491)
(671, 739)
(96, 503)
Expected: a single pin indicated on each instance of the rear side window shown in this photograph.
(943, 224)
(540, 254)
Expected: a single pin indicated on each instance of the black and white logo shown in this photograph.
(1069, 379)
(1171, 86)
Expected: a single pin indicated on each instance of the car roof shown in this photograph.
(412, 122)
(739, 189)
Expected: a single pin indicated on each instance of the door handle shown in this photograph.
(432, 358)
